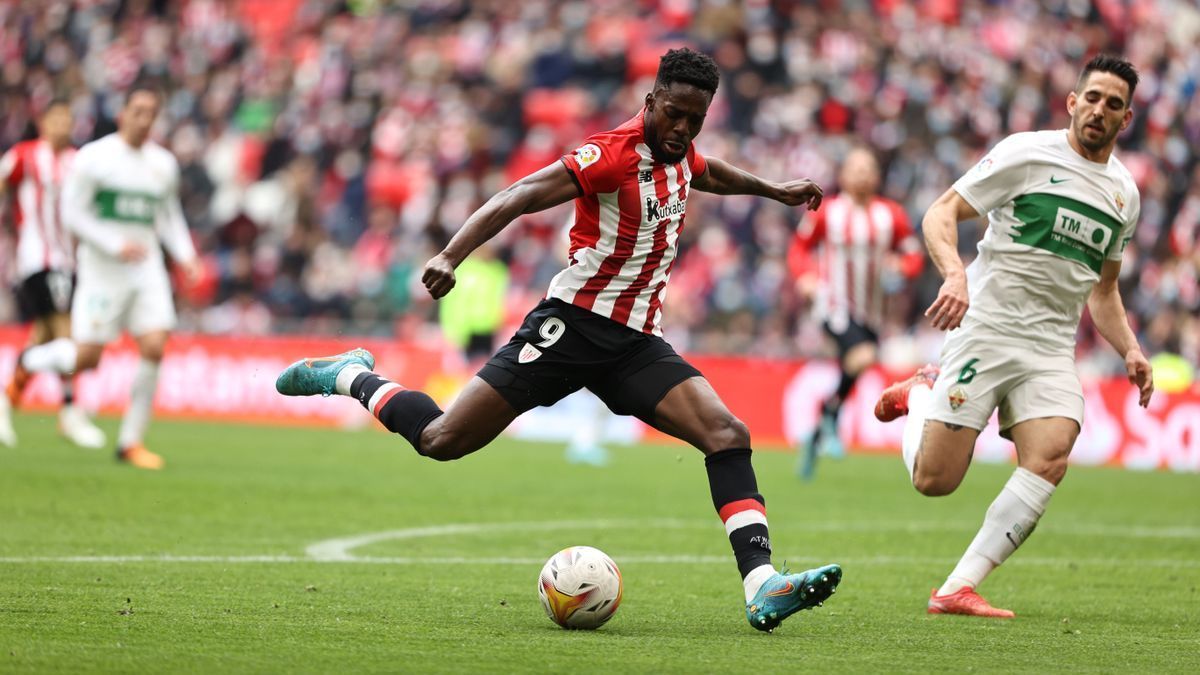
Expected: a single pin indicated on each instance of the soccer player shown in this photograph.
(600, 324)
(121, 201)
(1061, 208)
(865, 240)
(34, 170)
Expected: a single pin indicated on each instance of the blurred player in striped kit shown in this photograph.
(33, 172)
(850, 254)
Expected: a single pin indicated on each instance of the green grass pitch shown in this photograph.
(206, 566)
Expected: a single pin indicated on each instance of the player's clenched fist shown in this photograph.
(948, 310)
(803, 191)
(439, 276)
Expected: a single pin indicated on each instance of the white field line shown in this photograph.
(338, 550)
(793, 561)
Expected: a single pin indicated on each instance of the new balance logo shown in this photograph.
(646, 176)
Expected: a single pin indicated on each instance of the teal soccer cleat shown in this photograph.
(785, 594)
(318, 375)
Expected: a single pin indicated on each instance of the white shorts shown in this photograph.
(983, 373)
(105, 305)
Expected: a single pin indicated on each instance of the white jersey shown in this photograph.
(1054, 218)
(115, 194)
(35, 173)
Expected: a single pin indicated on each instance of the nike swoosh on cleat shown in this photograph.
(782, 591)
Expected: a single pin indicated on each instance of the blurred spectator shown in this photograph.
(328, 147)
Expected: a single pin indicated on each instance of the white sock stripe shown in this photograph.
(375, 398)
(743, 518)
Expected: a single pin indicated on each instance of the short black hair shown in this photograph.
(689, 67)
(57, 101)
(147, 85)
(1110, 63)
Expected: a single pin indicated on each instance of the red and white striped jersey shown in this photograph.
(34, 174)
(853, 244)
(627, 226)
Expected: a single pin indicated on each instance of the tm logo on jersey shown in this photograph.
(1079, 228)
(656, 211)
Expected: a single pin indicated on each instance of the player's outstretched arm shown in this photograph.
(723, 178)
(1108, 313)
(940, 227)
(546, 187)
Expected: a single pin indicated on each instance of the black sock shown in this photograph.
(741, 508)
(68, 390)
(401, 411)
(833, 404)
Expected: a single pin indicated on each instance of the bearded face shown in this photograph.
(1099, 111)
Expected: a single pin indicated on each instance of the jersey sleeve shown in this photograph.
(905, 243)
(12, 168)
(171, 225)
(597, 165)
(997, 179)
(1135, 213)
(697, 164)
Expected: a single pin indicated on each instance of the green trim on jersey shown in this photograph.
(127, 206)
(1066, 227)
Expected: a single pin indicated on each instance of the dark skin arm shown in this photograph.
(543, 189)
(723, 178)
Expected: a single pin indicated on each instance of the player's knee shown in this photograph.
(1051, 469)
(152, 352)
(445, 445)
(934, 483)
(724, 432)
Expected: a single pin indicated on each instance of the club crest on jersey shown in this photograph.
(958, 396)
(1120, 201)
(587, 155)
(528, 353)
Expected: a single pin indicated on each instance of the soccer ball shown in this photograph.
(580, 587)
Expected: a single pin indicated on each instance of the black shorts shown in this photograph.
(45, 293)
(851, 336)
(561, 348)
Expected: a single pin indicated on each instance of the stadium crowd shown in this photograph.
(329, 148)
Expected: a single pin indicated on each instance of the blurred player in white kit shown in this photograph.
(121, 201)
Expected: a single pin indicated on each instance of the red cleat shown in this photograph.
(967, 602)
(893, 402)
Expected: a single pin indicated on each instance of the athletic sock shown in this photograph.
(400, 410)
(1010, 520)
(914, 426)
(141, 400)
(345, 378)
(56, 356)
(744, 512)
(68, 390)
